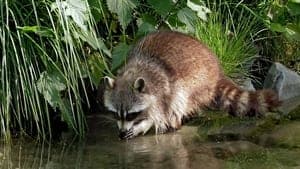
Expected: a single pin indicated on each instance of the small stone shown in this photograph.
(287, 84)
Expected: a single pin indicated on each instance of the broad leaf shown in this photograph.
(66, 115)
(123, 9)
(145, 28)
(76, 9)
(146, 18)
(174, 23)
(50, 85)
(294, 8)
(293, 31)
(146, 24)
(98, 9)
(96, 67)
(188, 17)
(119, 55)
(295, 1)
(162, 7)
(277, 27)
(201, 10)
(95, 43)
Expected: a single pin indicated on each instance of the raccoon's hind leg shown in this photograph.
(140, 127)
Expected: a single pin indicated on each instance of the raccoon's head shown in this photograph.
(128, 100)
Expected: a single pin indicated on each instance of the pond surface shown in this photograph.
(177, 150)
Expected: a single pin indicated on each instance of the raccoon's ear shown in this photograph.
(109, 82)
(139, 84)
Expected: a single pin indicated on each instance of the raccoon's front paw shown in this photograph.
(126, 134)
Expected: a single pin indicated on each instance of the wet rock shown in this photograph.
(232, 128)
(285, 135)
(287, 84)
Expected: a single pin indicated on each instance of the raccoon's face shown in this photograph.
(128, 101)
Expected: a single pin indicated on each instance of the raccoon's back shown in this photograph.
(181, 55)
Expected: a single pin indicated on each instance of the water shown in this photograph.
(103, 149)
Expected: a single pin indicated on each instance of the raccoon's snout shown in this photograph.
(125, 134)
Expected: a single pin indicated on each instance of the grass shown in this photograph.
(228, 33)
(43, 67)
(267, 158)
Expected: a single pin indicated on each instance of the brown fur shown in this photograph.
(249, 104)
(182, 76)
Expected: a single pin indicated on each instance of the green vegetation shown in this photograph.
(265, 159)
(43, 65)
(52, 50)
(229, 32)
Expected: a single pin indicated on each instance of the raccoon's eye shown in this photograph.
(132, 116)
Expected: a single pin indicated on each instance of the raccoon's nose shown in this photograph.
(122, 134)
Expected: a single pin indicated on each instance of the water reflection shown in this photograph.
(102, 149)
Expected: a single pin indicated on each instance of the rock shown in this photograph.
(247, 85)
(287, 84)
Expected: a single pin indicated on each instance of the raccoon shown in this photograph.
(170, 76)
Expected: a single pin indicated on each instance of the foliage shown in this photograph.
(52, 49)
(43, 65)
(283, 17)
(228, 33)
(264, 158)
(281, 39)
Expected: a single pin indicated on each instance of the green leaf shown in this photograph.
(188, 17)
(201, 10)
(39, 30)
(66, 112)
(119, 55)
(277, 27)
(293, 8)
(146, 18)
(162, 7)
(173, 23)
(145, 28)
(293, 31)
(76, 9)
(98, 9)
(96, 67)
(95, 43)
(123, 9)
(295, 1)
(50, 84)
(146, 24)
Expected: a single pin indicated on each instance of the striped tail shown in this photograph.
(239, 102)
